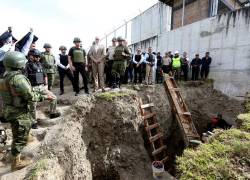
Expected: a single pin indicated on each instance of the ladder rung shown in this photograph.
(147, 116)
(164, 159)
(186, 113)
(152, 126)
(154, 138)
(197, 142)
(157, 151)
(174, 89)
(147, 105)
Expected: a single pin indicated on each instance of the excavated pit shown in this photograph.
(101, 138)
(203, 101)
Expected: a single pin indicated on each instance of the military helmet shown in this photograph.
(77, 39)
(120, 38)
(14, 59)
(114, 39)
(47, 45)
(62, 48)
(34, 52)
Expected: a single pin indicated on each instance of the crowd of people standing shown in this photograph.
(27, 76)
(116, 65)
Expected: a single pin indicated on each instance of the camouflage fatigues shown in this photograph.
(49, 64)
(43, 90)
(17, 93)
(121, 56)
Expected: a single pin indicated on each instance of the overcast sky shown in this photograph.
(59, 21)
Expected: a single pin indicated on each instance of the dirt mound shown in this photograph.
(100, 136)
(97, 139)
(115, 145)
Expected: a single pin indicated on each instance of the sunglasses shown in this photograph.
(37, 56)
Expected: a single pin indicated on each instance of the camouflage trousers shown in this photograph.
(51, 80)
(20, 120)
(119, 68)
(52, 103)
(20, 130)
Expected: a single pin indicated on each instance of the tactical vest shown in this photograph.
(137, 58)
(118, 53)
(64, 59)
(8, 94)
(78, 56)
(176, 62)
(36, 76)
(5, 95)
(48, 62)
(150, 58)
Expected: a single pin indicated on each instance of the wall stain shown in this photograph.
(207, 33)
(231, 15)
(246, 13)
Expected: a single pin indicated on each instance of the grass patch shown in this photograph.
(109, 96)
(226, 157)
(244, 122)
(40, 165)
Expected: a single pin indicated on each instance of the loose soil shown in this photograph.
(98, 138)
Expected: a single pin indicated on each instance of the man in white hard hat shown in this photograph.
(176, 65)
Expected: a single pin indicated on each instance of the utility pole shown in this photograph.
(140, 26)
(106, 39)
(183, 13)
(126, 29)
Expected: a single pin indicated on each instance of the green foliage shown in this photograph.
(40, 165)
(244, 121)
(226, 157)
(109, 96)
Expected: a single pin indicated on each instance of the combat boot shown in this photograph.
(54, 115)
(61, 93)
(19, 163)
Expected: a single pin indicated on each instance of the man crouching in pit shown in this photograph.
(38, 80)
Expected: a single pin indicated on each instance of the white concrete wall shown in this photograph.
(156, 20)
(226, 37)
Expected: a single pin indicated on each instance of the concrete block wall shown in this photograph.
(154, 21)
(226, 37)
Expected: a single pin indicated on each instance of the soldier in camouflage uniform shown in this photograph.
(38, 79)
(49, 64)
(121, 56)
(17, 92)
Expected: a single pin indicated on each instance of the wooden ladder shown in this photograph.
(153, 131)
(181, 112)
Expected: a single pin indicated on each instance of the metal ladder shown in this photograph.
(181, 112)
(153, 131)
